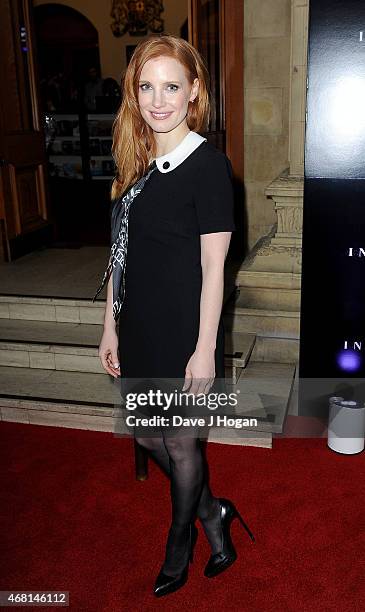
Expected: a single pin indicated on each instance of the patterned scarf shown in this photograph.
(119, 240)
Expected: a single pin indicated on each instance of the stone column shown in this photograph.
(282, 251)
(298, 85)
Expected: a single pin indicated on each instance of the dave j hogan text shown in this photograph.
(214, 420)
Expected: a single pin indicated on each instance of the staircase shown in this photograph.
(265, 307)
(50, 372)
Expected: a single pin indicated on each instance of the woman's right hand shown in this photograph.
(108, 352)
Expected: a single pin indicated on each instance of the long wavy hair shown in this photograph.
(134, 144)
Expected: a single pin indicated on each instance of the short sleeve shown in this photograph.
(213, 194)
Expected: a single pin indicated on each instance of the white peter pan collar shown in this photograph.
(166, 163)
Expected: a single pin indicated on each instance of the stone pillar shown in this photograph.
(282, 251)
(298, 85)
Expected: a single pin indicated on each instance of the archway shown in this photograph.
(67, 46)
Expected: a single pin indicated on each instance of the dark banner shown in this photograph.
(332, 332)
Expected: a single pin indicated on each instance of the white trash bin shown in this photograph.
(346, 426)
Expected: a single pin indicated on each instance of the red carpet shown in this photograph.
(75, 518)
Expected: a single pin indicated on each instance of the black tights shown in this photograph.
(181, 458)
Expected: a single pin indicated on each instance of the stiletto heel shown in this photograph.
(168, 584)
(237, 514)
(220, 561)
(192, 544)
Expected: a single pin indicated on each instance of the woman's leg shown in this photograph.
(186, 482)
(208, 505)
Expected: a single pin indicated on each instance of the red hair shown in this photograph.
(134, 144)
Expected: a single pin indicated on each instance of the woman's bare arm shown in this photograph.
(214, 249)
(201, 365)
(108, 349)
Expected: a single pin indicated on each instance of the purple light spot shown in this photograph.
(349, 360)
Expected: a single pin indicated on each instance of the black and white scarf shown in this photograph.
(119, 242)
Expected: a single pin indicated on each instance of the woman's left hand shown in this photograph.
(200, 372)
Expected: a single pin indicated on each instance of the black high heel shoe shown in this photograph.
(168, 584)
(222, 560)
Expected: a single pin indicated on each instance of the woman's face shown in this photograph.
(164, 93)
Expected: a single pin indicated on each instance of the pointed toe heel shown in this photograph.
(220, 561)
(166, 584)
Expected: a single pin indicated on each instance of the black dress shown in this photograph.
(159, 319)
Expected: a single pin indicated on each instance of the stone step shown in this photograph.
(51, 397)
(261, 439)
(63, 309)
(74, 346)
(78, 416)
(92, 401)
(267, 298)
(60, 310)
(278, 350)
(268, 279)
(238, 348)
(50, 345)
(263, 391)
(261, 321)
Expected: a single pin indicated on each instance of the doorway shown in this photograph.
(64, 200)
(67, 46)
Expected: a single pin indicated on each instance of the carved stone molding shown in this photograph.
(287, 193)
(283, 249)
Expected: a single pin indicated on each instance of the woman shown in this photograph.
(177, 222)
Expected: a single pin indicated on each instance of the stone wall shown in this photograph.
(267, 31)
(112, 50)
